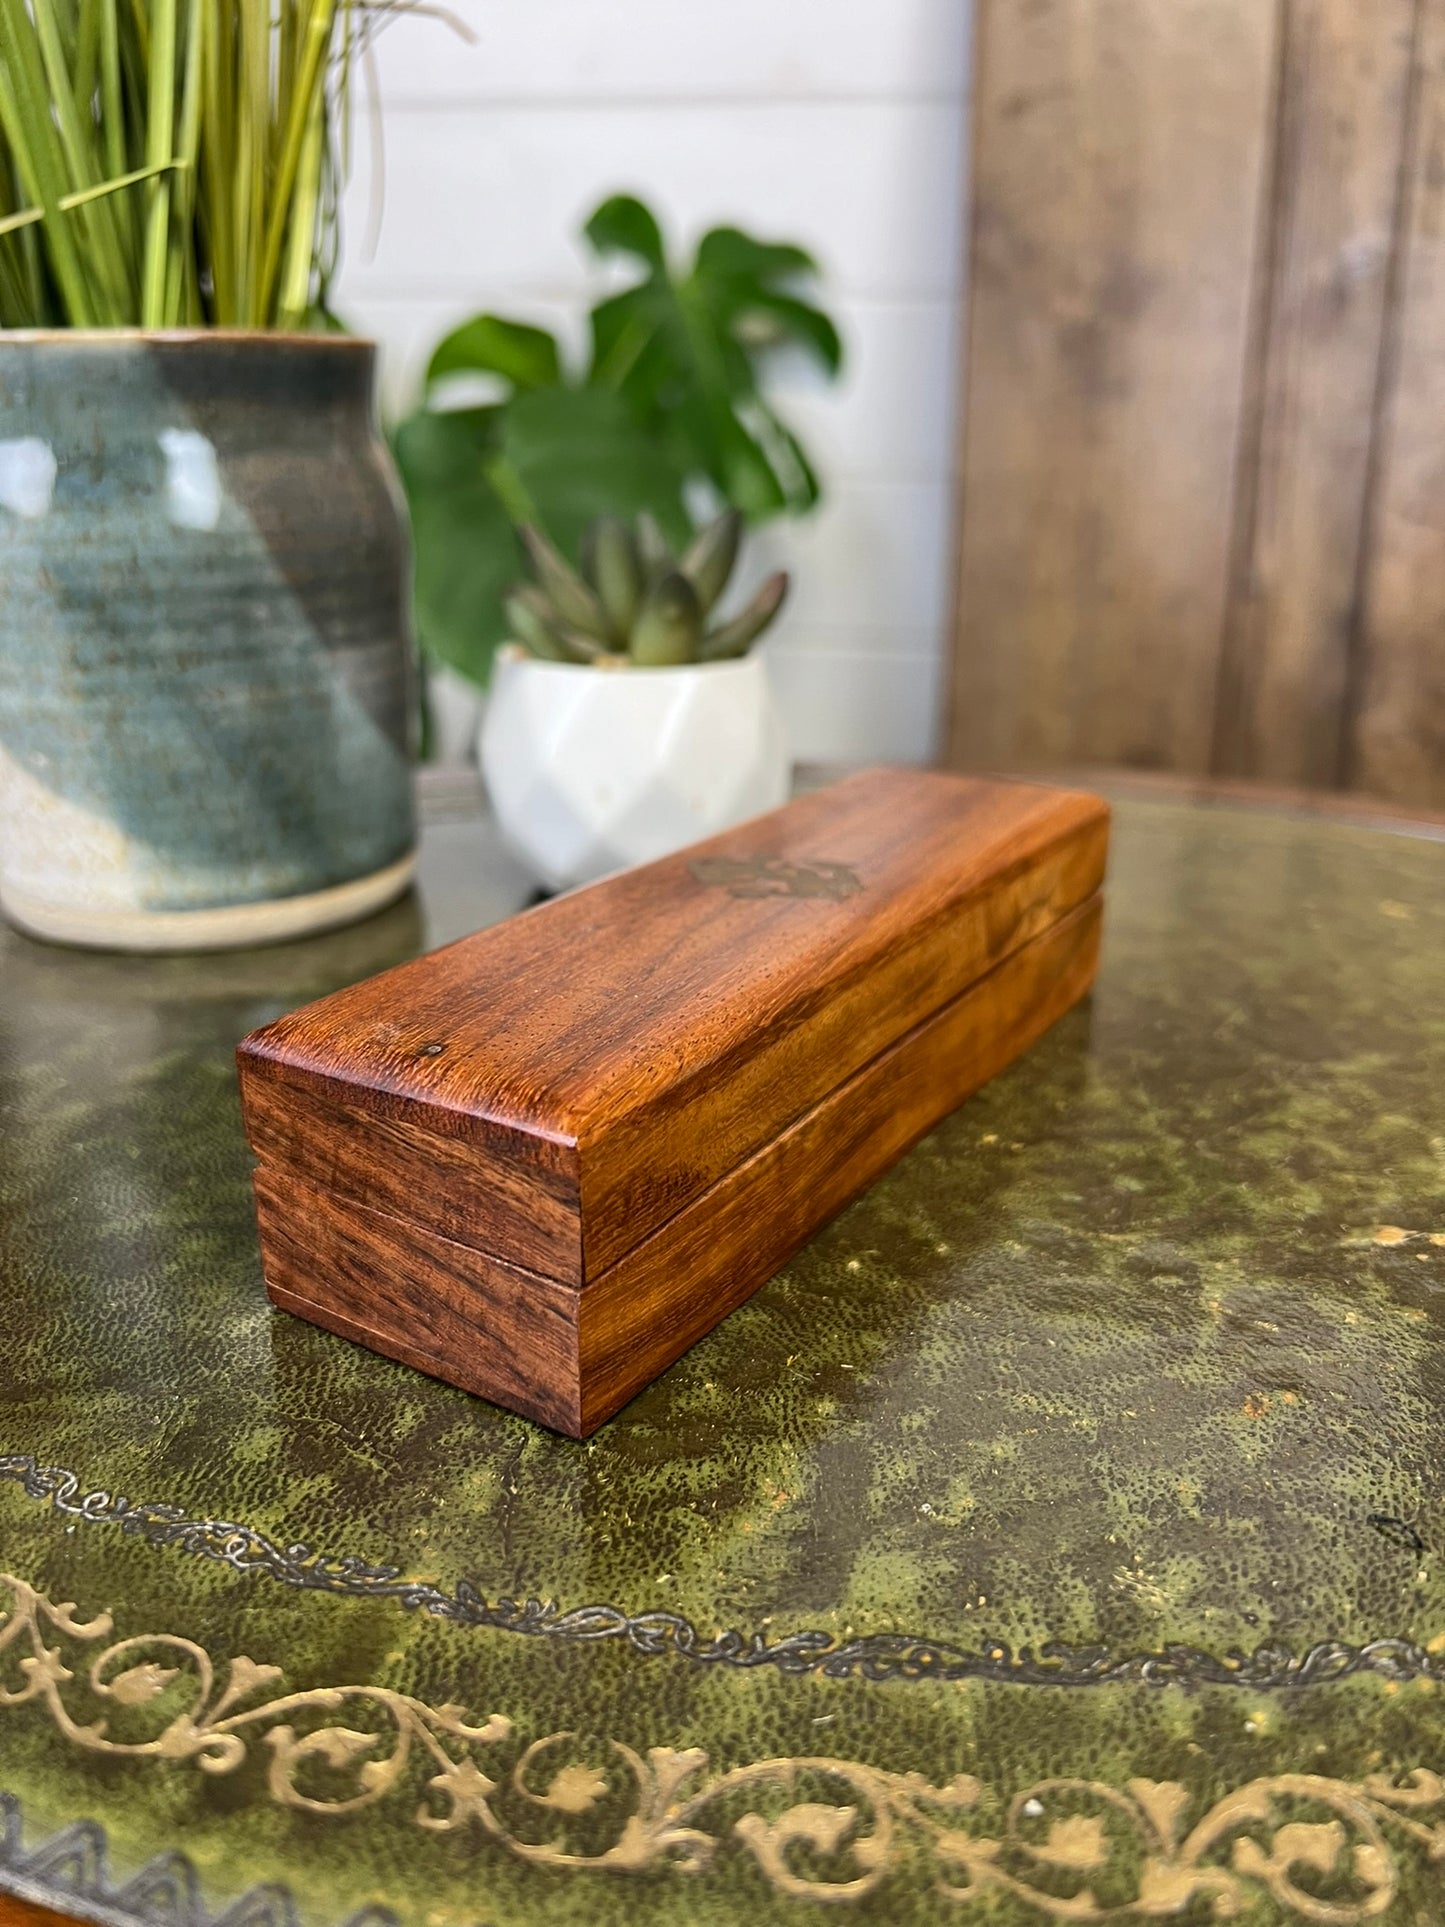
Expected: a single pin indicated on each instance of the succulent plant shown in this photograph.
(633, 600)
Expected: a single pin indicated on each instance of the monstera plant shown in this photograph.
(671, 404)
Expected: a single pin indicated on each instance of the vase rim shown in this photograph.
(184, 337)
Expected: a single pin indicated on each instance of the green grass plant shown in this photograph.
(174, 163)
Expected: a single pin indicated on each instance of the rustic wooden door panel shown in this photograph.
(1396, 742)
(1203, 493)
(1121, 160)
(1305, 471)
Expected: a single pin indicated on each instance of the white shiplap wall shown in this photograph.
(838, 123)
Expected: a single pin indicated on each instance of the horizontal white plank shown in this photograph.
(641, 50)
(844, 708)
(890, 417)
(885, 644)
(495, 198)
(874, 557)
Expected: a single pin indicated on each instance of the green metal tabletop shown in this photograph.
(1059, 1537)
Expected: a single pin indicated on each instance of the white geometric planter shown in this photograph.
(592, 770)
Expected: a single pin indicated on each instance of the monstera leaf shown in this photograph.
(688, 353)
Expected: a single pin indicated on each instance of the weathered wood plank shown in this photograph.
(1121, 166)
(1345, 79)
(1396, 743)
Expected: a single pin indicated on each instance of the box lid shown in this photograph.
(554, 1088)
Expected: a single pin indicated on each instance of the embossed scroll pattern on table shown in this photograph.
(817, 1827)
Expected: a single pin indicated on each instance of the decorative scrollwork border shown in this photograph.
(876, 1657)
(1326, 1850)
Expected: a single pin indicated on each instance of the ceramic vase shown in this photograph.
(206, 679)
(592, 770)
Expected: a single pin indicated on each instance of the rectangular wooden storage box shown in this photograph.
(541, 1162)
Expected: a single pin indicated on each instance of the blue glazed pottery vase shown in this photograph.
(206, 677)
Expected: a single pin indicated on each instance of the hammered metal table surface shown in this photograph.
(1057, 1538)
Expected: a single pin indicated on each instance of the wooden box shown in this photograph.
(541, 1162)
